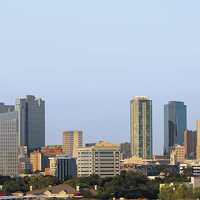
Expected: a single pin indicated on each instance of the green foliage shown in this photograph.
(15, 185)
(89, 181)
(39, 182)
(23, 184)
(4, 179)
(178, 191)
(131, 185)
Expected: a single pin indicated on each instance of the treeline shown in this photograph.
(129, 184)
(179, 191)
(23, 184)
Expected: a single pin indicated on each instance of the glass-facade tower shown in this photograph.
(31, 116)
(141, 127)
(175, 123)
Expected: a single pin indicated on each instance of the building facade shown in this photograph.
(177, 156)
(52, 150)
(31, 116)
(6, 108)
(63, 167)
(72, 140)
(175, 123)
(190, 144)
(102, 159)
(9, 144)
(198, 141)
(141, 127)
(125, 149)
(36, 160)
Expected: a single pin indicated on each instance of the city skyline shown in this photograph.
(10, 108)
(88, 65)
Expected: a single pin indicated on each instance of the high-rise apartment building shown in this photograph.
(31, 116)
(9, 144)
(175, 123)
(72, 140)
(141, 127)
(190, 144)
(102, 159)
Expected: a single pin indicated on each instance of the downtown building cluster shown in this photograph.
(23, 150)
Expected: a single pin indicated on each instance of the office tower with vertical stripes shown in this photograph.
(72, 140)
(141, 127)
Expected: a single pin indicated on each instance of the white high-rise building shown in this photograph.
(9, 144)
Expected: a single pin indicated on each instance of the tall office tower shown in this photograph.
(190, 144)
(102, 159)
(9, 144)
(31, 115)
(198, 141)
(141, 127)
(175, 123)
(72, 140)
(125, 149)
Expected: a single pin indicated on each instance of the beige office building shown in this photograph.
(36, 160)
(72, 140)
(177, 155)
(102, 159)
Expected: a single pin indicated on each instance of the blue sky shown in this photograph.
(89, 58)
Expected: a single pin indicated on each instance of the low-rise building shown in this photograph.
(102, 159)
(177, 155)
(52, 150)
(62, 167)
(194, 164)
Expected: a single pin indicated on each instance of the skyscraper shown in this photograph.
(175, 123)
(141, 127)
(9, 144)
(72, 140)
(31, 116)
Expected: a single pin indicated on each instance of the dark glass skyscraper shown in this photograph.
(31, 116)
(175, 123)
(141, 127)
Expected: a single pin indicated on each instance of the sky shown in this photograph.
(87, 59)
